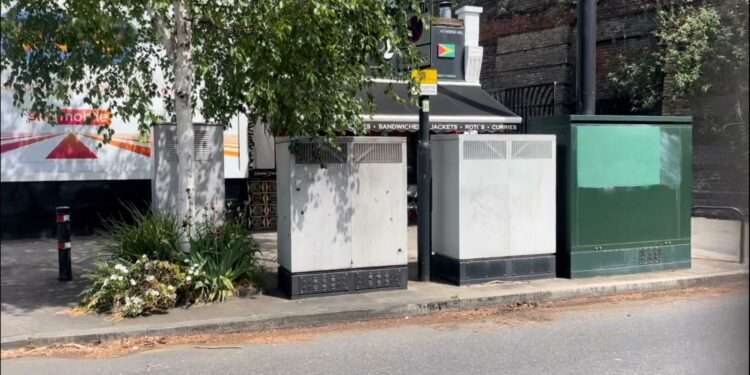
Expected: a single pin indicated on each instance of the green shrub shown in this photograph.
(221, 257)
(147, 272)
(132, 289)
(155, 235)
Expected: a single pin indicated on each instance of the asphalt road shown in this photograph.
(702, 334)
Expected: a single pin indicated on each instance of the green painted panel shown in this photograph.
(686, 187)
(626, 215)
(630, 260)
(618, 156)
(629, 185)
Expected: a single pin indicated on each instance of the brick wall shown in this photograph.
(532, 42)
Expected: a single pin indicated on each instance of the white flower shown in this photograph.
(170, 287)
(189, 278)
(132, 282)
(114, 277)
(150, 278)
(121, 268)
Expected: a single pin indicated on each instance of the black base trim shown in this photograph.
(473, 271)
(334, 282)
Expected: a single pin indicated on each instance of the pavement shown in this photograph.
(36, 307)
(646, 335)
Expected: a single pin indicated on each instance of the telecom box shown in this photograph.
(625, 192)
(493, 207)
(341, 215)
(208, 191)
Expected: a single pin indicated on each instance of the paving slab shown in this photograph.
(35, 306)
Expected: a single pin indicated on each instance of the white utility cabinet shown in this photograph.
(493, 213)
(208, 191)
(342, 224)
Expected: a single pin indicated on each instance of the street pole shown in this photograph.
(424, 190)
(586, 64)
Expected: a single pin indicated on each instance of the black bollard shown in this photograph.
(63, 243)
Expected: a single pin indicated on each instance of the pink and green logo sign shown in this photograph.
(446, 51)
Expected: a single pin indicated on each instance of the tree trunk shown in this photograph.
(183, 88)
(248, 204)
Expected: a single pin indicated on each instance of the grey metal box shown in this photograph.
(208, 175)
(341, 211)
(494, 202)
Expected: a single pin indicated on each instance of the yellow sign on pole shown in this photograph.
(427, 80)
(427, 76)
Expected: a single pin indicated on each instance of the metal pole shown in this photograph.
(424, 190)
(63, 243)
(586, 66)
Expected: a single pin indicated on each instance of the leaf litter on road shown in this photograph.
(522, 312)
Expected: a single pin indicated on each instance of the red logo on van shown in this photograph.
(77, 116)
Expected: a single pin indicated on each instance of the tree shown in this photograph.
(296, 64)
(700, 48)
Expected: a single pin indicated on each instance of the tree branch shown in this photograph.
(163, 33)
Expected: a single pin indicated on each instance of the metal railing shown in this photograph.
(737, 213)
(530, 101)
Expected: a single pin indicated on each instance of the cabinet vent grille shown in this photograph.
(532, 149)
(377, 153)
(170, 143)
(314, 153)
(484, 150)
(201, 145)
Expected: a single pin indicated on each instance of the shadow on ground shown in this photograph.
(30, 273)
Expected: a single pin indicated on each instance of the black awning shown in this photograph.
(456, 107)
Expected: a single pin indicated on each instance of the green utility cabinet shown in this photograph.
(624, 192)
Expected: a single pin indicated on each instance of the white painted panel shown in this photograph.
(263, 148)
(321, 217)
(208, 192)
(164, 179)
(379, 231)
(283, 206)
(532, 199)
(209, 173)
(485, 212)
(445, 192)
